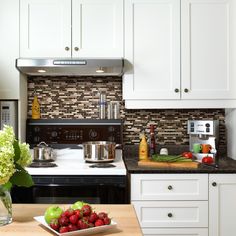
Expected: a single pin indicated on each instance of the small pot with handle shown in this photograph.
(42, 152)
(99, 151)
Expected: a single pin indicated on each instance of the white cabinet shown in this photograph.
(9, 49)
(165, 72)
(171, 204)
(152, 47)
(77, 28)
(208, 49)
(222, 204)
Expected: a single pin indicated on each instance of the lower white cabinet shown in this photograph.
(172, 213)
(171, 204)
(185, 204)
(222, 204)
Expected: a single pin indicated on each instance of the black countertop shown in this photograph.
(226, 165)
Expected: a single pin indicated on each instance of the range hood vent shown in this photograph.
(70, 67)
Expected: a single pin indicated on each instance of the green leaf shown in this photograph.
(7, 185)
(16, 150)
(22, 178)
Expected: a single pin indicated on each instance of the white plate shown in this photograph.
(82, 232)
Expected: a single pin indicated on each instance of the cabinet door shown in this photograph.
(152, 49)
(97, 28)
(9, 49)
(169, 187)
(208, 49)
(171, 214)
(222, 204)
(45, 28)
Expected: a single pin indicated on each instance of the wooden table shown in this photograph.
(24, 225)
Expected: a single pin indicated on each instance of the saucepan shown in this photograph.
(99, 151)
(42, 152)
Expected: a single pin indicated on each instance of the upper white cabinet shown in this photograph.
(77, 28)
(180, 54)
(208, 49)
(9, 49)
(152, 49)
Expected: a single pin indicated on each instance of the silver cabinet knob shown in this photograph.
(176, 90)
(76, 49)
(170, 187)
(186, 90)
(67, 48)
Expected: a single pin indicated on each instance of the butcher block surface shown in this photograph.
(149, 163)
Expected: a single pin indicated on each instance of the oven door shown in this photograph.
(69, 189)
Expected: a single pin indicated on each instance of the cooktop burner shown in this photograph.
(39, 164)
(102, 165)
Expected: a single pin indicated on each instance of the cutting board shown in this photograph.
(149, 163)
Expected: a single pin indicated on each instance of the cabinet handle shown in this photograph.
(67, 48)
(170, 215)
(186, 90)
(176, 90)
(170, 187)
(214, 184)
(76, 49)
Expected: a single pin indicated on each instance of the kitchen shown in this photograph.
(178, 66)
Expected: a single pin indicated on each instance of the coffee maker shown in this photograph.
(203, 138)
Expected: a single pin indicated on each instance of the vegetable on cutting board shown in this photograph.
(169, 158)
(207, 160)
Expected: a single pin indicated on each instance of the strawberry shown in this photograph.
(86, 209)
(79, 213)
(93, 217)
(99, 222)
(102, 215)
(69, 212)
(72, 227)
(63, 220)
(74, 219)
(107, 220)
(64, 229)
(54, 224)
(82, 224)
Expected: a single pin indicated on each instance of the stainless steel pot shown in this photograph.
(42, 152)
(99, 151)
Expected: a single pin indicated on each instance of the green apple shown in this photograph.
(78, 205)
(52, 212)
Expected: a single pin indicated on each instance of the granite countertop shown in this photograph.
(225, 164)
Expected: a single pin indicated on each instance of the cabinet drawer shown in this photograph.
(172, 213)
(169, 187)
(175, 232)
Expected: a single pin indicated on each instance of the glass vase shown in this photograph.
(5, 206)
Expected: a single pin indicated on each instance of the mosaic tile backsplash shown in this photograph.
(68, 98)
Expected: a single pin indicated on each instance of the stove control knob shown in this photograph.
(54, 134)
(111, 129)
(93, 134)
(36, 139)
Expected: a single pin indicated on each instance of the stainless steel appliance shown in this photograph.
(203, 138)
(70, 67)
(9, 114)
(74, 179)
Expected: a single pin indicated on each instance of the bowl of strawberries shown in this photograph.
(79, 219)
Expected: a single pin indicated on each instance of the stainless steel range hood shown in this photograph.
(70, 67)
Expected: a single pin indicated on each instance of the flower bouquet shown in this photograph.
(14, 157)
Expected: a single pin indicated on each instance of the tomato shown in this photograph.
(207, 160)
(187, 155)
